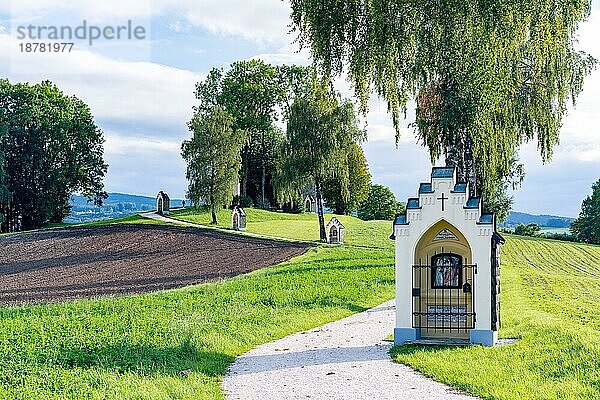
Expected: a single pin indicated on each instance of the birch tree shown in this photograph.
(213, 158)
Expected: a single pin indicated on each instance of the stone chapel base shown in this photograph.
(484, 337)
(413, 335)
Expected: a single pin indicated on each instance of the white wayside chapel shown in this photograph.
(238, 219)
(447, 266)
(163, 203)
(335, 231)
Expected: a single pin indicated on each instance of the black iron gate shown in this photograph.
(443, 296)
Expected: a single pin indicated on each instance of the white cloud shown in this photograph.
(100, 10)
(143, 106)
(115, 90)
(559, 186)
(288, 54)
(143, 165)
(176, 26)
(258, 20)
(262, 21)
(138, 146)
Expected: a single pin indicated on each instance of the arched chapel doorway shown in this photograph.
(333, 234)
(443, 283)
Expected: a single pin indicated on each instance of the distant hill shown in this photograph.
(117, 205)
(545, 221)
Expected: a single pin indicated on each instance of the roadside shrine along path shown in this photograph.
(345, 359)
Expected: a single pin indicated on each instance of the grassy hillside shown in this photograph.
(298, 226)
(136, 347)
(551, 302)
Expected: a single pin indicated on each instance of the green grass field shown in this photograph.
(136, 347)
(550, 301)
(555, 230)
(298, 226)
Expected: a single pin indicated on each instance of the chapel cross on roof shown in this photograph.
(443, 198)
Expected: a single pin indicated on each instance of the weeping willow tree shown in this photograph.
(320, 128)
(486, 75)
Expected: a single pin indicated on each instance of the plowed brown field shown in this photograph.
(83, 262)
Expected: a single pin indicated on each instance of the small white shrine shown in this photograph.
(238, 219)
(310, 204)
(447, 266)
(163, 203)
(335, 231)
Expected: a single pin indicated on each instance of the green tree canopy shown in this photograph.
(380, 204)
(250, 91)
(586, 228)
(345, 197)
(486, 76)
(256, 95)
(213, 158)
(319, 130)
(527, 230)
(295, 81)
(51, 148)
(4, 193)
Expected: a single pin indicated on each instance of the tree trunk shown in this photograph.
(213, 211)
(264, 173)
(6, 224)
(459, 154)
(245, 173)
(262, 184)
(214, 216)
(322, 234)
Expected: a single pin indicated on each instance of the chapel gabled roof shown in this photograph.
(496, 237)
(400, 219)
(486, 218)
(413, 202)
(239, 210)
(460, 187)
(425, 187)
(335, 221)
(473, 202)
(442, 172)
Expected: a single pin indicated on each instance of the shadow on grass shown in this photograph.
(409, 349)
(145, 359)
(333, 263)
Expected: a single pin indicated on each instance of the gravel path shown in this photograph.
(345, 359)
(153, 215)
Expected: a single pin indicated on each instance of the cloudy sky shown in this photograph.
(141, 92)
